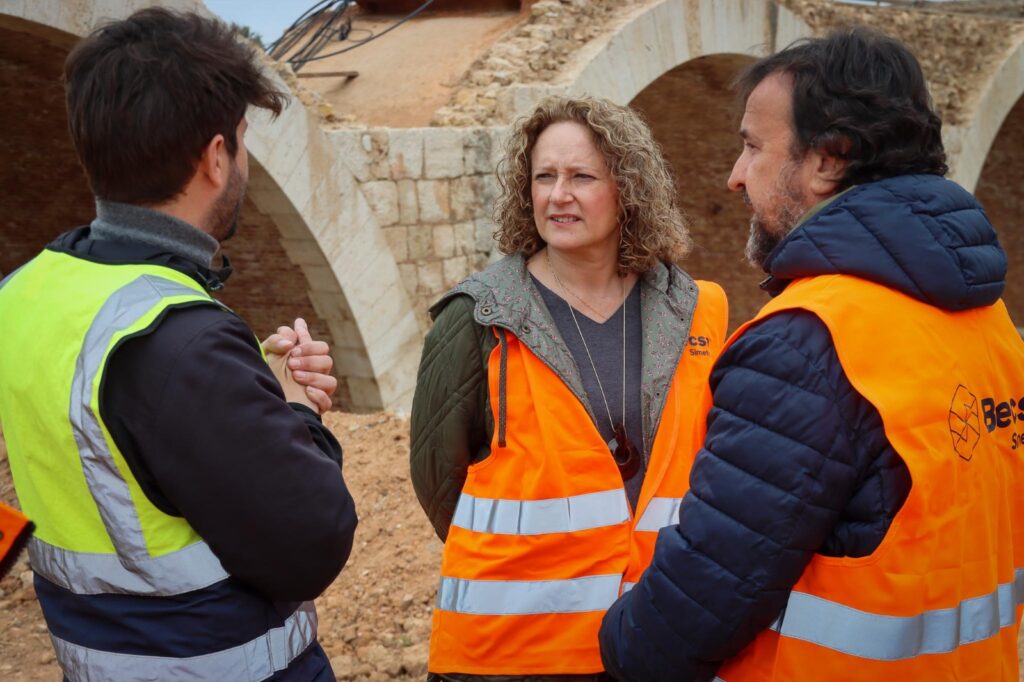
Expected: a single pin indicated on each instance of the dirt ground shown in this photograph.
(374, 619)
(405, 76)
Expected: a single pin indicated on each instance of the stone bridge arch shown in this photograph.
(969, 145)
(317, 238)
(658, 37)
(990, 161)
(671, 33)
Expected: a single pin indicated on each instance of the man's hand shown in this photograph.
(297, 359)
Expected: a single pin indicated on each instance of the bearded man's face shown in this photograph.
(773, 217)
(772, 176)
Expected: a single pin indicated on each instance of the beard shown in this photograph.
(767, 232)
(224, 213)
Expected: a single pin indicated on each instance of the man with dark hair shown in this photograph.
(857, 511)
(188, 501)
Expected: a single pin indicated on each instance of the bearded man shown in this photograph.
(857, 511)
(188, 501)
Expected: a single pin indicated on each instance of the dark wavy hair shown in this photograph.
(145, 95)
(859, 95)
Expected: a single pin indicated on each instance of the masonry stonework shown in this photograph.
(432, 190)
(372, 224)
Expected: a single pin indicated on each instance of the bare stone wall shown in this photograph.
(957, 51)
(431, 190)
(435, 213)
(1000, 192)
(539, 50)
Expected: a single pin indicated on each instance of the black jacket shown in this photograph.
(795, 461)
(205, 429)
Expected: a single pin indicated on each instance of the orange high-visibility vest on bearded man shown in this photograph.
(543, 540)
(940, 598)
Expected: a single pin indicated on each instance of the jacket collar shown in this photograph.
(922, 235)
(145, 226)
(506, 290)
(506, 298)
(80, 243)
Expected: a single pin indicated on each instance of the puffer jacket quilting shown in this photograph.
(452, 419)
(795, 461)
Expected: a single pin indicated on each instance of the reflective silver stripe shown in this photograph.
(166, 575)
(626, 587)
(255, 660)
(536, 517)
(893, 638)
(524, 597)
(660, 512)
(88, 573)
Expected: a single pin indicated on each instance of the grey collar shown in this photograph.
(137, 224)
(505, 297)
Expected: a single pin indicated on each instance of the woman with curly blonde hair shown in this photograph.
(561, 397)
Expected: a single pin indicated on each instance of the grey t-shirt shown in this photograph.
(604, 339)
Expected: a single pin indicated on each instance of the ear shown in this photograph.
(214, 164)
(828, 169)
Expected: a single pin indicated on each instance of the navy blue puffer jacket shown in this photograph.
(795, 461)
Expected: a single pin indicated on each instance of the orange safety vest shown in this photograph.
(940, 598)
(542, 540)
(15, 529)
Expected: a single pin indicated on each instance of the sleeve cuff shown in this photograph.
(306, 411)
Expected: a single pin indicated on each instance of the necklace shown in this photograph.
(579, 298)
(626, 455)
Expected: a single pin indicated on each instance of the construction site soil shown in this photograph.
(374, 618)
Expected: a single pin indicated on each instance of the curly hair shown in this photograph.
(653, 227)
(861, 96)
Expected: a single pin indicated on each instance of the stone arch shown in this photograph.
(669, 33)
(657, 38)
(691, 111)
(968, 145)
(303, 195)
(998, 190)
(671, 47)
(985, 157)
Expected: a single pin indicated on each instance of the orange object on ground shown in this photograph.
(543, 539)
(15, 530)
(940, 598)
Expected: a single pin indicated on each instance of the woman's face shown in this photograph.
(575, 198)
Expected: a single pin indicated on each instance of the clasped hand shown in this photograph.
(302, 366)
